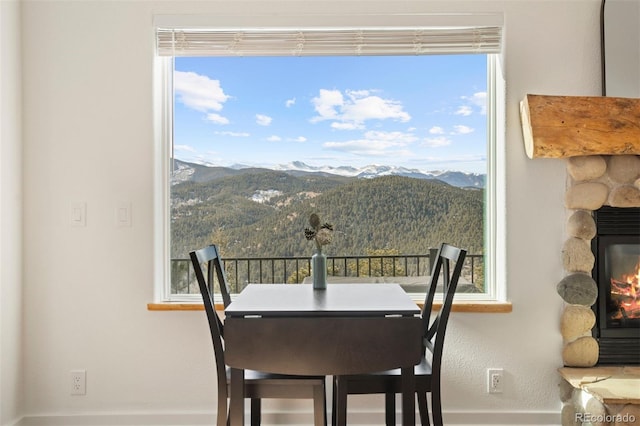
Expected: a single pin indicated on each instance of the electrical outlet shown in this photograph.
(78, 382)
(495, 380)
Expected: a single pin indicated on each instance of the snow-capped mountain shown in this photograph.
(188, 171)
(454, 178)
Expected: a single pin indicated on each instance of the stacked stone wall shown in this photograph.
(594, 181)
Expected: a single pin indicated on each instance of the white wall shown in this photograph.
(88, 136)
(622, 48)
(10, 212)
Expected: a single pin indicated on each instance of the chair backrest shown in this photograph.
(446, 278)
(210, 257)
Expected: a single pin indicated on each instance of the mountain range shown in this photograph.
(184, 172)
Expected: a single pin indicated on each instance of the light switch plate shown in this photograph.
(78, 214)
(123, 214)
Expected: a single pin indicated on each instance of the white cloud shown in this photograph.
(477, 101)
(234, 134)
(436, 130)
(376, 143)
(365, 147)
(373, 107)
(398, 138)
(350, 110)
(326, 103)
(437, 142)
(290, 102)
(338, 125)
(198, 92)
(275, 138)
(358, 93)
(263, 120)
(462, 130)
(464, 110)
(217, 118)
(184, 148)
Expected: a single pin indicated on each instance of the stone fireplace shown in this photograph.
(599, 138)
(599, 186)
(602, 248)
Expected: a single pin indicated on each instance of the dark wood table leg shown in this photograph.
(339, 417)
(408, 399)
(236, 398)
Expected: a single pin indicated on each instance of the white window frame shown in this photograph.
(495, 269)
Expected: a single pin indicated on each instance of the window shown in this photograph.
(260, 128)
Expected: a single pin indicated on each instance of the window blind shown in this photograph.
(324, 42)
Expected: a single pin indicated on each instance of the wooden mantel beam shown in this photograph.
(570, 126)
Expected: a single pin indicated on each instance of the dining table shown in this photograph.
(343, 329)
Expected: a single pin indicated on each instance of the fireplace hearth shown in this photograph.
(616, 271)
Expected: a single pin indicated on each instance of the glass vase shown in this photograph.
(319, 271)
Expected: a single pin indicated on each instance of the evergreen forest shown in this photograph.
(263, 213)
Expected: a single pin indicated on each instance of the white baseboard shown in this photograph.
(290, 418)
(112, 419)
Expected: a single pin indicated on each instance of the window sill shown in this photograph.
(484, 307)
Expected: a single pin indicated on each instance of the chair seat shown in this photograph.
(258, 384)
(386, 381)
(422, 369)
(254, 375)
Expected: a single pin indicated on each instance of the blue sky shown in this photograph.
(419, 112)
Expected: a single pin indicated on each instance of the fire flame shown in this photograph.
(626, 293)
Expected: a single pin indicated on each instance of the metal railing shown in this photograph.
(241, 271)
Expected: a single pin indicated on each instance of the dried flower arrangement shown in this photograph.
(321, 234)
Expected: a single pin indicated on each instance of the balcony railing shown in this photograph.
(241, 271)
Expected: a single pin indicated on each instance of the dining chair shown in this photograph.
(258, 385)
(444, 277)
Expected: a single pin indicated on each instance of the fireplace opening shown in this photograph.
(617, 273)
(622, 301)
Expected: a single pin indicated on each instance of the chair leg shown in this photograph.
(255, 411)
(340, 402)
(423, 408)
(319, 405)
(436, 406)
(390, 408)
(333, 401)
